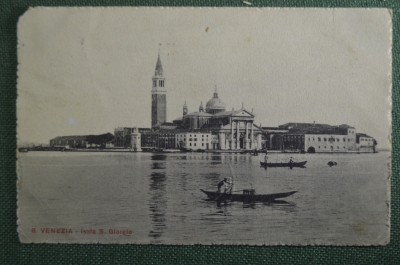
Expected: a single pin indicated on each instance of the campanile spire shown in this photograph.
(158, 95)
(159, 69)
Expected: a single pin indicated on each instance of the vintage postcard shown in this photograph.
(240, 126)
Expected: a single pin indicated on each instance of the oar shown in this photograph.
(233, 174)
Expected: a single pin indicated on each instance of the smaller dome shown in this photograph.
(201, 108)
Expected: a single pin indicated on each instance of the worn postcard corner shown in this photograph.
(235, 126)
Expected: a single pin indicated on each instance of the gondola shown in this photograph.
(246, 197)
(294, 164)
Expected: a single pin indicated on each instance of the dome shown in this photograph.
(215, 104)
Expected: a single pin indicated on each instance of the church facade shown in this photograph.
(232, 130)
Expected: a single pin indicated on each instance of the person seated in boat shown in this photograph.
(291, 160)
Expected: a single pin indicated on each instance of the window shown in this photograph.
(194, 144)
(325, 141)
(202, 135)
(308, 138)
(337, 139)
(202, 144)
(338, 147)
(344, 139)
(319, 139)
(190, 144)
(319, 147)
(154, 83)
(190, 139)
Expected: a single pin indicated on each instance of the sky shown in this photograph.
(89, 70)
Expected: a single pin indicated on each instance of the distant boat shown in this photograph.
(294, 164)
(246, 197)
(170, 150)
(23, 149)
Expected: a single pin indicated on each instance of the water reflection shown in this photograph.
(222, 215)
(212, 179)
(156, 165)
(157, 204)
(182, 185)
(286, 207)
(158, 157)
(184, 157)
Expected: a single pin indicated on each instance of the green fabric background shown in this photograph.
(12, 252)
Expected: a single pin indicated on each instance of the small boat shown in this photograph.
(246, 197)
(164, 150)
(294, 164)
(171, 150)
(23, 149)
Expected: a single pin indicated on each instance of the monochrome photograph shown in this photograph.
(182, 126)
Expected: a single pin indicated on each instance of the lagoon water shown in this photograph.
(157, 197)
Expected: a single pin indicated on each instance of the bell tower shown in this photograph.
(201, 108)
(158, 96)
(185, 109)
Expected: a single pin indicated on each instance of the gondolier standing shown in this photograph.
(222, 183)
(265, 158)
(291, 160)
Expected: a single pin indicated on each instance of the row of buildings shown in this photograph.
(290, 137)
(213, 127)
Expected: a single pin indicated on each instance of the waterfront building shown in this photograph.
(136, 144)
(194, 140)
(123, 136)
(164, 139)
(73, 141)
(82, 141)
(365, 143)
(315, 138)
